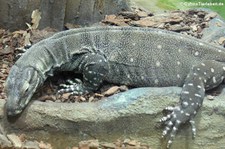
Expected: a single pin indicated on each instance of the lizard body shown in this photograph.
(123, 55)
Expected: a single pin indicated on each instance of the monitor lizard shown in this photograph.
(131, 56)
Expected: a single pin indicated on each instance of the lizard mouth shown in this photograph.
(14, 109)
(14, 112)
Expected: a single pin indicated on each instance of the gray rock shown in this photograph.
(134, 113)
(215, 31)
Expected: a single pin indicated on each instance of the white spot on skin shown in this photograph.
(100, 60)
(214, 79)
(90, 72)
(187, 114)
(158, 64)
(212, 70)
(190, 99)
(219, 51)
(185, 103)
(202, 64)
(200, 44)
(204, 73)
(224, 68)
(178, 63)
(178, 108)
(190, 84)
(159, 46)
(195, 74)
(178, 121)
(156, 81)
(95, 84)
(142, 77)
(185, 92)
(181, 111)
(164, 133)
(133, 44)
(174, 116)
(131, 60)
(196, 53)
(199, 87)
(197, 95)
(205, 81)
(128, 76)
(86, 56)
(178, 76)
(198, 69)
(170, 123)
(179, 50)
(167, 128)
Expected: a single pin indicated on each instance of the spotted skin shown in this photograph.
(132, 56)
(94, 68)
(192, 96)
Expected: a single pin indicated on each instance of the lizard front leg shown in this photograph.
(94, 68)
(206, 75)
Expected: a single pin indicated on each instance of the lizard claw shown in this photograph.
(75, 87)
(193, 128)
(173, 122)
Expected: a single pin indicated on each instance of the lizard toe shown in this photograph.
(173, 121)
(75, 87)
(193, 128)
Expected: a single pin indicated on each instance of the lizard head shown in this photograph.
(20, 86)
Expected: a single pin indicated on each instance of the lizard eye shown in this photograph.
(25, 87)
(26, 90)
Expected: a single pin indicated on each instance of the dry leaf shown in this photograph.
(221, 40)
(26, 38)
(111, 91)
(43, 145)
(71, 26)
(113, 19)
(29, 26)
(36, 17)
(6, 50)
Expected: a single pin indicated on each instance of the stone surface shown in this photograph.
(133, 113)
(215, 31)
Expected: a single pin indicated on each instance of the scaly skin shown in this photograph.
(122, 55)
